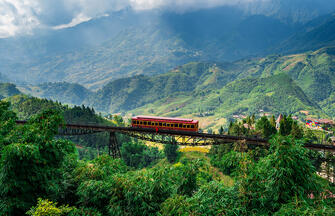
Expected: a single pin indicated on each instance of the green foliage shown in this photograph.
(285, 125)
(237, 129)
(279, 177)
(84, 211)
(138, 155)
(48, 208)
(307, 208)
(229, 163)
(7, 124)
(296, 131)
(171, 152)
(265, 127)
(211, 199)
(278, 181)
(90, 145)
(31, 164)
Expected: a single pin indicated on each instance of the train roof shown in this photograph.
(165, 118)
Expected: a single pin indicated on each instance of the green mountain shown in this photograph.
(313, 72)
(129, 93)
(68, 93)
(133, 43)
(275, 94)
(314, 35)
(8, 89)
(276, 84)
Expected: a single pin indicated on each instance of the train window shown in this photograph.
(164, 124)
(192, 126)
(160, 123)
(180, 125)
(175, 125)
(168, 125)
(188, 126)
(145, 123)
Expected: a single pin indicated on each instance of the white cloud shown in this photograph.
(23, 16)
(18, 16)
(75, 21)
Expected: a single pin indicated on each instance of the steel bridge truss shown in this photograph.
(166, 137)
(185, 140)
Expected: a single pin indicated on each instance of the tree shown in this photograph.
(138, 155)
(265, 127)
(48, 208)
(171, 151)
(286, 125)
(7, 124)
(284, 174)
(296, 131)
(32, 163)
(221, 130)
(273, 121)
(237, 129)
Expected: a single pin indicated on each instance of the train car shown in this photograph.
(165, 123)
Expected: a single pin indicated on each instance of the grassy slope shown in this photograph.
(278, 94)
(133, 92)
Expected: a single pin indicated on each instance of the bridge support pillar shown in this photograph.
(113, 147)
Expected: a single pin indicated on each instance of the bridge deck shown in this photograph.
(216, 138)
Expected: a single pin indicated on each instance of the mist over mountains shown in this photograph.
(130, 42)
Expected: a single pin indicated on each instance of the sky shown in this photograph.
(23, 16)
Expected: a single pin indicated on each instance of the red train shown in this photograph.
(165, 123)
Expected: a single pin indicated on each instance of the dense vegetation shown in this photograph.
(41, 175)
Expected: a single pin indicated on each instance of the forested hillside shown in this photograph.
(68, 93)
(89, 145)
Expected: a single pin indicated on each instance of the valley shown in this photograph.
(214, 92)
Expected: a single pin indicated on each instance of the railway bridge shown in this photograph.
(165, 137)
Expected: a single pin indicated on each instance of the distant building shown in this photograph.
(247, 126)
(320, 124)
(280, 117)
(304, 112)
